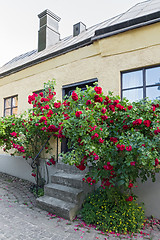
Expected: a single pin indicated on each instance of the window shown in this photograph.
(142, 83)
(10, 105)
(67, 90)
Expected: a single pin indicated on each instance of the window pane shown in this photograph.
(133, 94)
(15, 101)
(8, 103)
(7, 112)
(153, 76)
(14, 111)
(132, 79)
(153, 92)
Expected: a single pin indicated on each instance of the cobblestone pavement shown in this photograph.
(22, 220)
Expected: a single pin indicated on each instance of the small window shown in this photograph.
(11, 106)
(139, 84)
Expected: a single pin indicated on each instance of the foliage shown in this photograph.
(119, 140)
(110, 212)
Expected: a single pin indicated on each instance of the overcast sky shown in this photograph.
(19, 23)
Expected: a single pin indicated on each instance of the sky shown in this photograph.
(19, 23)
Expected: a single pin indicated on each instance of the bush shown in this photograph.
(112, 211)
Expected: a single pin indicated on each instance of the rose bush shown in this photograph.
(119, 140)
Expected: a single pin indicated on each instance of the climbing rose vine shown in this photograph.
(117, 140)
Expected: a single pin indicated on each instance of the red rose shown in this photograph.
(41, 94)
(88, 102)
(46, 107)
(101, 140)
(98, 90)
(120, 147)
(130, 185)
(129, 107)
(57, 105)
(147, 123)
(52, 128)
(115, 102)
(42, 119)
(103, 110)
(137, 122)
(96, 135)
(132, 163)
(13, 134)
(156, 162)
(129, 148)
(129, 199)
(98, 99)
(74, 96)
(125, 127)
(104, 117)
(78, 113)
(113, 139)
(112, 108)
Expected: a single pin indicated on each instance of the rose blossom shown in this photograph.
(98, 90)
(78, 113)
(74, 96)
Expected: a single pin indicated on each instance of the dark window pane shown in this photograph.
(133, 94)
(132, 79)
(153, 76)
(153, 92)
(7, 112)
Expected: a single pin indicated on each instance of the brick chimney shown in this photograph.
(48, 33)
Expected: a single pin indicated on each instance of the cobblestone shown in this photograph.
(22, 220)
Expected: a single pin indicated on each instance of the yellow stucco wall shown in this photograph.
(104, 59)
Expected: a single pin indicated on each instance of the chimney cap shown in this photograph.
(51, 14)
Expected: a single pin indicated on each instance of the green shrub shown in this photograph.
(110, 212)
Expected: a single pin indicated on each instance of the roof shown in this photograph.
(141, 14)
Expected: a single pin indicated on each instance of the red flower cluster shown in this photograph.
(113, 139)
(98, 99)
(120, 147)
(78, 113)
(74, 96)
(82, 166)
(137, 122)
(129, 199)
(108, 166)
(147, 123)
(129, 148)
(98, 90)
(89, 180)
(157, 131)
(13, 134)
(88, 102)
(52, 128)
(96, 135)
(57, 105)
(156, 162)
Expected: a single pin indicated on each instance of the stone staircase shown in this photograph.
(66, 192)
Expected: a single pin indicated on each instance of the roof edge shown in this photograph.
(47, 57)
(130, 23)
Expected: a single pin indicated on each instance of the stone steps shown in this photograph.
(62, 192)
(58, 207)
(66, 192)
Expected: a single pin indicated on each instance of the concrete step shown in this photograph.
(68, 179)
(58, 207)
(70, 169)
(62, 192)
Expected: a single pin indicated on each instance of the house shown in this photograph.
(122, 54)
